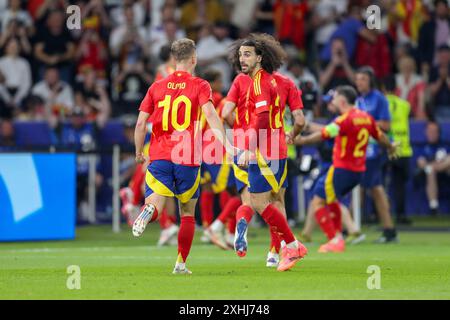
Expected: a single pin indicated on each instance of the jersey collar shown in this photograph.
(259, 72)
(179, 73)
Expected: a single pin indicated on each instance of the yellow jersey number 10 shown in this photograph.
(172, 107)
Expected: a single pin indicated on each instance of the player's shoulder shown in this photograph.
(358, 113)
(242, 79)
(340, 119)
(198, 81)
(157, 84)
(265, 79)
(348, 116)
(283, 80)
(280, 77)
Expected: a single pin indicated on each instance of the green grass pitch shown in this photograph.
(118, 266)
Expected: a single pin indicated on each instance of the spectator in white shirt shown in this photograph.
(127, 31)
(212, 52)
(17, 73)
(140, 9)
(167, 31)
(157, 8)
(15, 12)
(300, 74)
(57, 95)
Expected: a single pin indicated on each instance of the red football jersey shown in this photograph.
(265, 96)
(210, 144)
(239, 94)
(288, 95)
(174, 105)
(353, 130)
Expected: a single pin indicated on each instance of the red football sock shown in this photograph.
(275, 242)
(172, 218)
(325, 222)
(232, 223)
(230, 208)
(245, 212)
(164, 220)
(206, 207)
(224, 197)
(185, 236)
(136, 184)
(336, 215)
(278, 223)
(155, 214)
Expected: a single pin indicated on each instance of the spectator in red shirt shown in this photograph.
(92, 52)
(290, 21)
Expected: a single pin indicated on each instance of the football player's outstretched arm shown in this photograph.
(391, 148)
(139, 135)
(328, 132)
(216, 125)
(313, 138)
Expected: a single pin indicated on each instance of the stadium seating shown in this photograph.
(39, 134)
(112, 133)
(416, 132)
(445, 132)
(33, 134)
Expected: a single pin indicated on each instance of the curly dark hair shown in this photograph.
(270, 50)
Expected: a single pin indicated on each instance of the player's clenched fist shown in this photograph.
(140, 157)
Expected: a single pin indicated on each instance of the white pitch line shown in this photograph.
(88, 249)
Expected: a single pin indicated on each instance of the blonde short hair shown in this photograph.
(183, 49)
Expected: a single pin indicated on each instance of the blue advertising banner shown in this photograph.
(37, 196)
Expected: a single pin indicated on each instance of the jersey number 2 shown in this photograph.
(278, 116)
(168, 106)
(363, 137)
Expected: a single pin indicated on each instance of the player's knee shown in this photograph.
(259, 204)
(317, 202)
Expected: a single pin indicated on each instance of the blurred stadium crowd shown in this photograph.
(77, 81)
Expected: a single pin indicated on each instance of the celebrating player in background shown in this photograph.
(174, 105)
(325, 149)
(258, 56)
(351, 132)
(236, 101)
(373, 102)
(217, 176)
(133, 195)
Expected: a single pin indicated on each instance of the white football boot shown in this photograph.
(143, 219)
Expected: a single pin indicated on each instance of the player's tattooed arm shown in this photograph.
(299, 125)
(139, 135)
